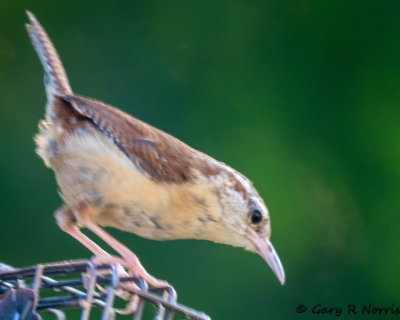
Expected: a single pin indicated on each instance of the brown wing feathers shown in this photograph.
(159, 155)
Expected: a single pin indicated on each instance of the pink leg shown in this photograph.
(130, 260)
(66, 221)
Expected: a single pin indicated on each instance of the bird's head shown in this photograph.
(246, 221)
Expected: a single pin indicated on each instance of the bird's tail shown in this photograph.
(56, 80)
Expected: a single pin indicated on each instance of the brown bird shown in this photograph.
(115, 170)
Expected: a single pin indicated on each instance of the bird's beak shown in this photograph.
(266, 250)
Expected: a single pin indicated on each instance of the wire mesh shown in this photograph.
(27, 293)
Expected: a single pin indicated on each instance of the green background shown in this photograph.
(302, 96)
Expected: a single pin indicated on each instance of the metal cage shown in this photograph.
(27, 293)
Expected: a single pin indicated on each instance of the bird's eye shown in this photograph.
(255, 216)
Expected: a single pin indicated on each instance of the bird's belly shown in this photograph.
(89, 167)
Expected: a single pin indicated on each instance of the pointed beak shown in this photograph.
(266, 250)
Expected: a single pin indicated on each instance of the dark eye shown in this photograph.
(255, 216)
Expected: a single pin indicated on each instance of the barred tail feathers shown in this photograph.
(56, 78)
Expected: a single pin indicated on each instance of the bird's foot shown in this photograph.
(133, 268)
(125, 289)
(124, 270)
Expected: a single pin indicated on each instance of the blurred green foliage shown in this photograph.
(301, 96)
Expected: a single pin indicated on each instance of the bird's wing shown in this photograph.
(156, 153)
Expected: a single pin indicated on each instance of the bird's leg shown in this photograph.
(67, 222)
(129, 259)
(82, 212)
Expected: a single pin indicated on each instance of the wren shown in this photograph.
(115, 170)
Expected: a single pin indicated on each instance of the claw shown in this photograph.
(123, 290)
(131, 306)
